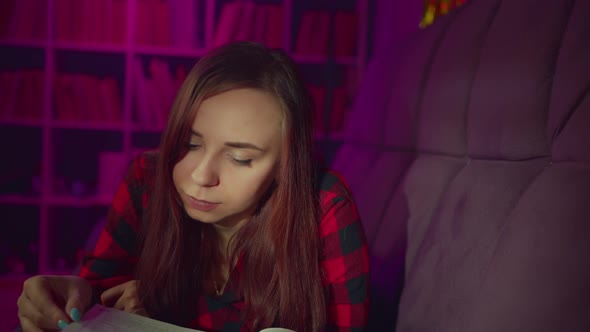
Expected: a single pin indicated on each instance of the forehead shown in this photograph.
(240, 115)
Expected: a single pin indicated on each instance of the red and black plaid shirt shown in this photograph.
(344, 254)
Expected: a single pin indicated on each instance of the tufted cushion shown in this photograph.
(468, 151)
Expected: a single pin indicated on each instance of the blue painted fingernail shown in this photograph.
(75, 314)
(62, 324)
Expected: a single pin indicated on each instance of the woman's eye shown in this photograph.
(193, 146)
(242, 162)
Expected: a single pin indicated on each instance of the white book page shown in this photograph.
(103, 319)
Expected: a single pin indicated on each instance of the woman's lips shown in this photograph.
(200, 205)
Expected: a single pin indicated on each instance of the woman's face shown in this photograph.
(233, 155)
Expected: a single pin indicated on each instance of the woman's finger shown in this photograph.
(39, 306)
(27, 313)
(128, 301)
(28, 326)
(112, 295)
(124, 303)
(79, 296)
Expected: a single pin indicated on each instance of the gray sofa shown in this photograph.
(468, 153)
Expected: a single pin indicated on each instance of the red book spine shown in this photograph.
(318, 96)
(345, 27)
(274, 32)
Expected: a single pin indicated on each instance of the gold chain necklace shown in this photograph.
(218, 291)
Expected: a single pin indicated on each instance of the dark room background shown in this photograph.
(86, 84)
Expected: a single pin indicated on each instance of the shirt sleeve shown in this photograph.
(113, 259)
(345, 259)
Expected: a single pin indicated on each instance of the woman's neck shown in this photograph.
(226, 231)
(224, 235)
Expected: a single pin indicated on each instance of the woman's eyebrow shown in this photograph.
(238, 145)
(243, 145)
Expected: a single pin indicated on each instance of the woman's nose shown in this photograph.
(205, 174)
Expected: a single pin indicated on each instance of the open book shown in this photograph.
(103, 319)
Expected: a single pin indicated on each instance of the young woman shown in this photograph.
(229, 226)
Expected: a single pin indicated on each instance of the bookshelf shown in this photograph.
(89, 82)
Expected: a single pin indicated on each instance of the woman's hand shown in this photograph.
(45, 300)
(124, 297)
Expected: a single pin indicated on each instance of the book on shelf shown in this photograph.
(318, 97)
(91, 21)
(6, 9)
(10, 86)
(343, 99)
(111, 100)
(5, 81)
(97, 20)
(227, 23)
(163, 89)
(153, 22)
(154, 92)
(77, 20)
(313, 34)
(63, 101)
(245, 26)
(27, 19)
(250, 21)
(345, 33)
(274, 31)
(21, 94)
(81, 97)
(118, 22)
(332, 119)
(63, 22)
(33, 95)
(261, 24)
(141, 94)
(85, 98)
(184, 24)
(87, 20)
(339, 109)
(168, 23)
(180, 74)
(161, 24)
(143, 21)
(105, 31)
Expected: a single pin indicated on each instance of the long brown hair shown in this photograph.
(280, 246)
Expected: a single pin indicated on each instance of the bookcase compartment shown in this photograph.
(77, 171)
(88, 88)
(70, 231)
(19, 243)
(324, 28)
(20, 173)
(145, 141)
(22, 80)
(156, 83)
(314, 76)
(22, 57)
(343, 91)
(332, 99)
